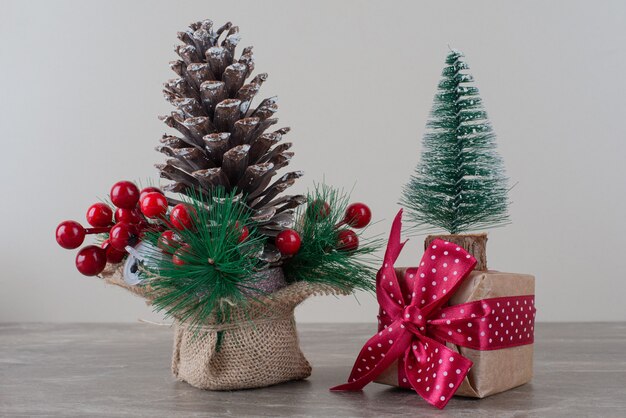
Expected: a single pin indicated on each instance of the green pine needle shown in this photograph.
(459, 184)
(319, 260)
(217, 269)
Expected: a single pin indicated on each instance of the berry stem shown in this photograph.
(340, 224)
(97, 230)
(165, 219)
(173, 202)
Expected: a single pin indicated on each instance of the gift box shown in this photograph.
(493, 371)
(446, 329)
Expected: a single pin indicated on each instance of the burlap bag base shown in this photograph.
(247, 358)
(259, 347)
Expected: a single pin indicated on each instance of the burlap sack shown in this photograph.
(259, 347)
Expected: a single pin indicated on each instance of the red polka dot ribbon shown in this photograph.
(415, 323)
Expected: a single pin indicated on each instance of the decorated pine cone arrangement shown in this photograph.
(218, 249)
(219, 233)
(224, 140)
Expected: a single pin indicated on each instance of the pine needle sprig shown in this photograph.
(319, 260)
(217, 269)
(459, 184)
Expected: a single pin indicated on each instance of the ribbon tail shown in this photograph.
(394, 245)
(376, 356)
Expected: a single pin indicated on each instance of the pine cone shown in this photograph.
(223, 142)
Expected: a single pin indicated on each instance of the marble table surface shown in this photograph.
(122, 370)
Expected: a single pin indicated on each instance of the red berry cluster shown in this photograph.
(125, 227)
(358, 215)
(181, 217)
(171, 243)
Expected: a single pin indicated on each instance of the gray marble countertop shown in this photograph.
(122, 370)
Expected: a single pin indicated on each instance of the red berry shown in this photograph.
(168, 242)
(288, 242)
(123, 234)
(180, 218)
(70, 234)
(113, 256)
(180, 254)
(244, 232)
(91, 260)
(318, 210)
(153, 205)
(147, 190)
(124, 194)
(131, 216)
(99, 214)
(347, 240)
(358, 215)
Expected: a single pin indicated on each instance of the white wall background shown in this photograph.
(81, 91)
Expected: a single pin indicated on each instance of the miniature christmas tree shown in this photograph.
(460, 184)
(223, 140)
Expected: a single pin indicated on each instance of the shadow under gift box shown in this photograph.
(494, 371)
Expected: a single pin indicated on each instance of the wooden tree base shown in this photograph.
(475, 244)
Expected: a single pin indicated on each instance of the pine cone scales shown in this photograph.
(223, 140)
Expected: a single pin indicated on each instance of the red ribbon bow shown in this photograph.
(415, 333)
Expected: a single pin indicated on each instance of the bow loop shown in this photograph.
(389, 293)
(442, 269)
(434, 371)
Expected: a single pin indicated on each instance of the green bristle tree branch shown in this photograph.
(319, 259)
(459, 184)
(217, 266)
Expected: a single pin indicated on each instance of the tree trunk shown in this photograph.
(475, 244)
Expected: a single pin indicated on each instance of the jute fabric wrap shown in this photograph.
(258, 347)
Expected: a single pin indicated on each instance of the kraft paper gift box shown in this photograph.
(494, 371)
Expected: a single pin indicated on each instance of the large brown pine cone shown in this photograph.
(223, 140)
